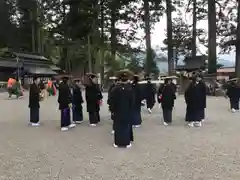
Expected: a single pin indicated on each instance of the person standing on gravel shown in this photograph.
(34, 106)
(65, 105)
(122, 105)
(195, 102)
(93, 96)
(166, 96)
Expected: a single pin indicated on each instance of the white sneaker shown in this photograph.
(114, 145)
(137, 126)
(149, 110)
(128, 146)
(203, 120)
(165, 124)
(233, 110)
(72, 126)
(78, 122)
(93, 125)
(35, 124)
(191, 124)
(198, 124)
(64, 129)
(112, 132)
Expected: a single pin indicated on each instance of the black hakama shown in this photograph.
(77, 114)
(94, 117)
(65, 117)
(167, 115)
(194, 115)
(136, 118)
(202, 114)
(234, 103)
(34, 115)
(123, 135)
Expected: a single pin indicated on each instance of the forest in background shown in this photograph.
(84, 35)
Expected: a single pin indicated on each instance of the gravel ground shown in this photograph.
(86, 153)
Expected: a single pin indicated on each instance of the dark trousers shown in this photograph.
(234, 103)
(77, 114)
(136, 118)
(202, 114)
(167, 115)
(65, 118)
(193, 115)
(94, 117)
(34, 115)
(123, 134)
(150, 103)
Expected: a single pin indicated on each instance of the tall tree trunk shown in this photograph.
(212, 38)
(237, 65)
(33, 31)
(38, 23)
(102, 43)
(39, 39)
(113, 31)
(147, 29)
(90, 69)
(194, 30)
(169, 36)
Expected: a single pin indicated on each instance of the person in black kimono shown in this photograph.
(93, 99)
(121, 103)
(233, 93)
(34, 98)
(77, 103)
(204, 97)
(138, 97)
(65, 105)
(109, 101)
(150, 94)
(195, 102)
(166, 96)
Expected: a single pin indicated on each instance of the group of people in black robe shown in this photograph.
(125, 102)
(70, 100)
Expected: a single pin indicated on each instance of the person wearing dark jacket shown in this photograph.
(138, 97)
(34, 98)
(93, 99)
(77, 103)
(203, 97)
(65, 105)
(195, 102)
(110, 90)
(150, 94)
(233, 93)
(122, 104)
(166, 96)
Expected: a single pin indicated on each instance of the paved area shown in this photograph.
(86, 153)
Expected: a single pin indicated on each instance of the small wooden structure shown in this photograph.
(26, 65)
(192, 64)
